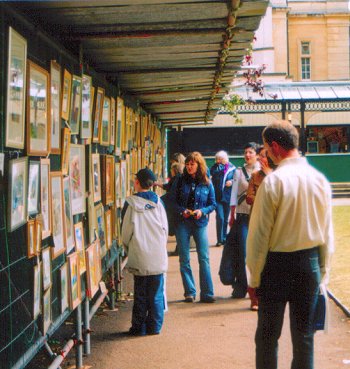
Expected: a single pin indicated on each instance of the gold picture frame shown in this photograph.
(66, 95)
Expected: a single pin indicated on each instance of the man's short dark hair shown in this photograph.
(283, 133)
(146, 178)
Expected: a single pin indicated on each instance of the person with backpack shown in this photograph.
(144, 236)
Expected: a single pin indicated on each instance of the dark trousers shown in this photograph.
(222, 214)
(288, 277)
(148, 309)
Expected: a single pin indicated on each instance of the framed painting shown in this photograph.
(18, 193)
(46, 268)
(96, 177)
(109, 228)
(16, 89)
(118, 126)
(38, 110)
(91, 270)
(64, 287)
(85, 129)
(105, 127)
(112, 125)
(45, 201)
(33, 187)
(75, 109)
(101, 229)
(107, 179)
(55, 103)
(38, 233)
(74, 280)
(68, 217)
(66, 95)
(91, 218)
(80, 246)
(36, 290)
(77, 178)
(98, 114)
(66, 134)
(123, 179)
(46, 314)
(31, 238)
(58, 232)
(92, 105)
(117, 188)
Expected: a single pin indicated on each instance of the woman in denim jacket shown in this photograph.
(193, 198)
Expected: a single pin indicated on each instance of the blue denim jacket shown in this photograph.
(204, 200)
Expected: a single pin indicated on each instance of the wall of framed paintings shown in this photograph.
(71, 144)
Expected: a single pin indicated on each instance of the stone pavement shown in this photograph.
(203, 336)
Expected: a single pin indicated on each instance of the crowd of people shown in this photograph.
(273, 213)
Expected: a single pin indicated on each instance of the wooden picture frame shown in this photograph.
(16, 90)
(46, 268)
(91, 270)
(98, 114)
(96, 176)
(109, 229)
(77, 178)
(85, 128)
(123, 180)
(64, 287)
(31, 238)
(46, 312)
(105, 126)
(118, 126)
(55, 103)
(107, 179)
(45, 201)
(91, 218)
(17, 193)
(66, 136)
(101, 228)
(74, 281)
(68, 216)
(38, 110)
(66, 95)
(36, 290)
(75, 108)
(112, 124)
(80, 246)
(117, 187)
(33, 187)
(57, 214)
(38, 233)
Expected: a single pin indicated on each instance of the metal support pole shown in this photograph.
(56, 363)
(87, 345)
(50, 352)
(284, 109)
(302, 128)
(79, 338)
(112, 292)
(97, 304)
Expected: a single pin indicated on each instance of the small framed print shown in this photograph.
(46, 316)
(98, 114)
(38, 233)
(109, 229)
(101, 229)
(96, 177)
(112, 124)
(18, 193)
(117, 188)
(64, 287)
(107, 179)
(66, 134)
(74, 280)
(58, 232)
(118, 127)
(105, 126)
(55, 103)
(33, 187)
(45, 197)
(36, 290)
(31, 238)
(85, 130)
(16, 90)
(38, 110)
(75, 110)
(123, 184)
(66, 94)
(91, 270)
(80, 246)
(69, 228)
(77, 178)
(46, 268)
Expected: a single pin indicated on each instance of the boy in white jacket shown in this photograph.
(144, 237)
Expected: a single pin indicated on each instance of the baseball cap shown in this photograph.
(145, 176)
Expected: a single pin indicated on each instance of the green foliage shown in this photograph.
(229, 105)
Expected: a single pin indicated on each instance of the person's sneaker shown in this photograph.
(208, 300)
(135, 332)
(189, 299)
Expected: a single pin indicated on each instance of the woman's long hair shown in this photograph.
(201, 175)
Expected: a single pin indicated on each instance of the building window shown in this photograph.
(305, 60)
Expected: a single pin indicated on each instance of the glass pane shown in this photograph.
(305, 68)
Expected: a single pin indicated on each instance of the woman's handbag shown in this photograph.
(226, 265)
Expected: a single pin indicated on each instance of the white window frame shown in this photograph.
(307, 56)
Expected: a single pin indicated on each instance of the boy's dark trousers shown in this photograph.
(148, 309)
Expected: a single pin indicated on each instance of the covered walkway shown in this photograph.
(202, 336)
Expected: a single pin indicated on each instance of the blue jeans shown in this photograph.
(183, 232)
(222, 214)
(292, 277)
(148, 309)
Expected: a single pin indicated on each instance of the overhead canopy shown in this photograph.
(176, 57)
